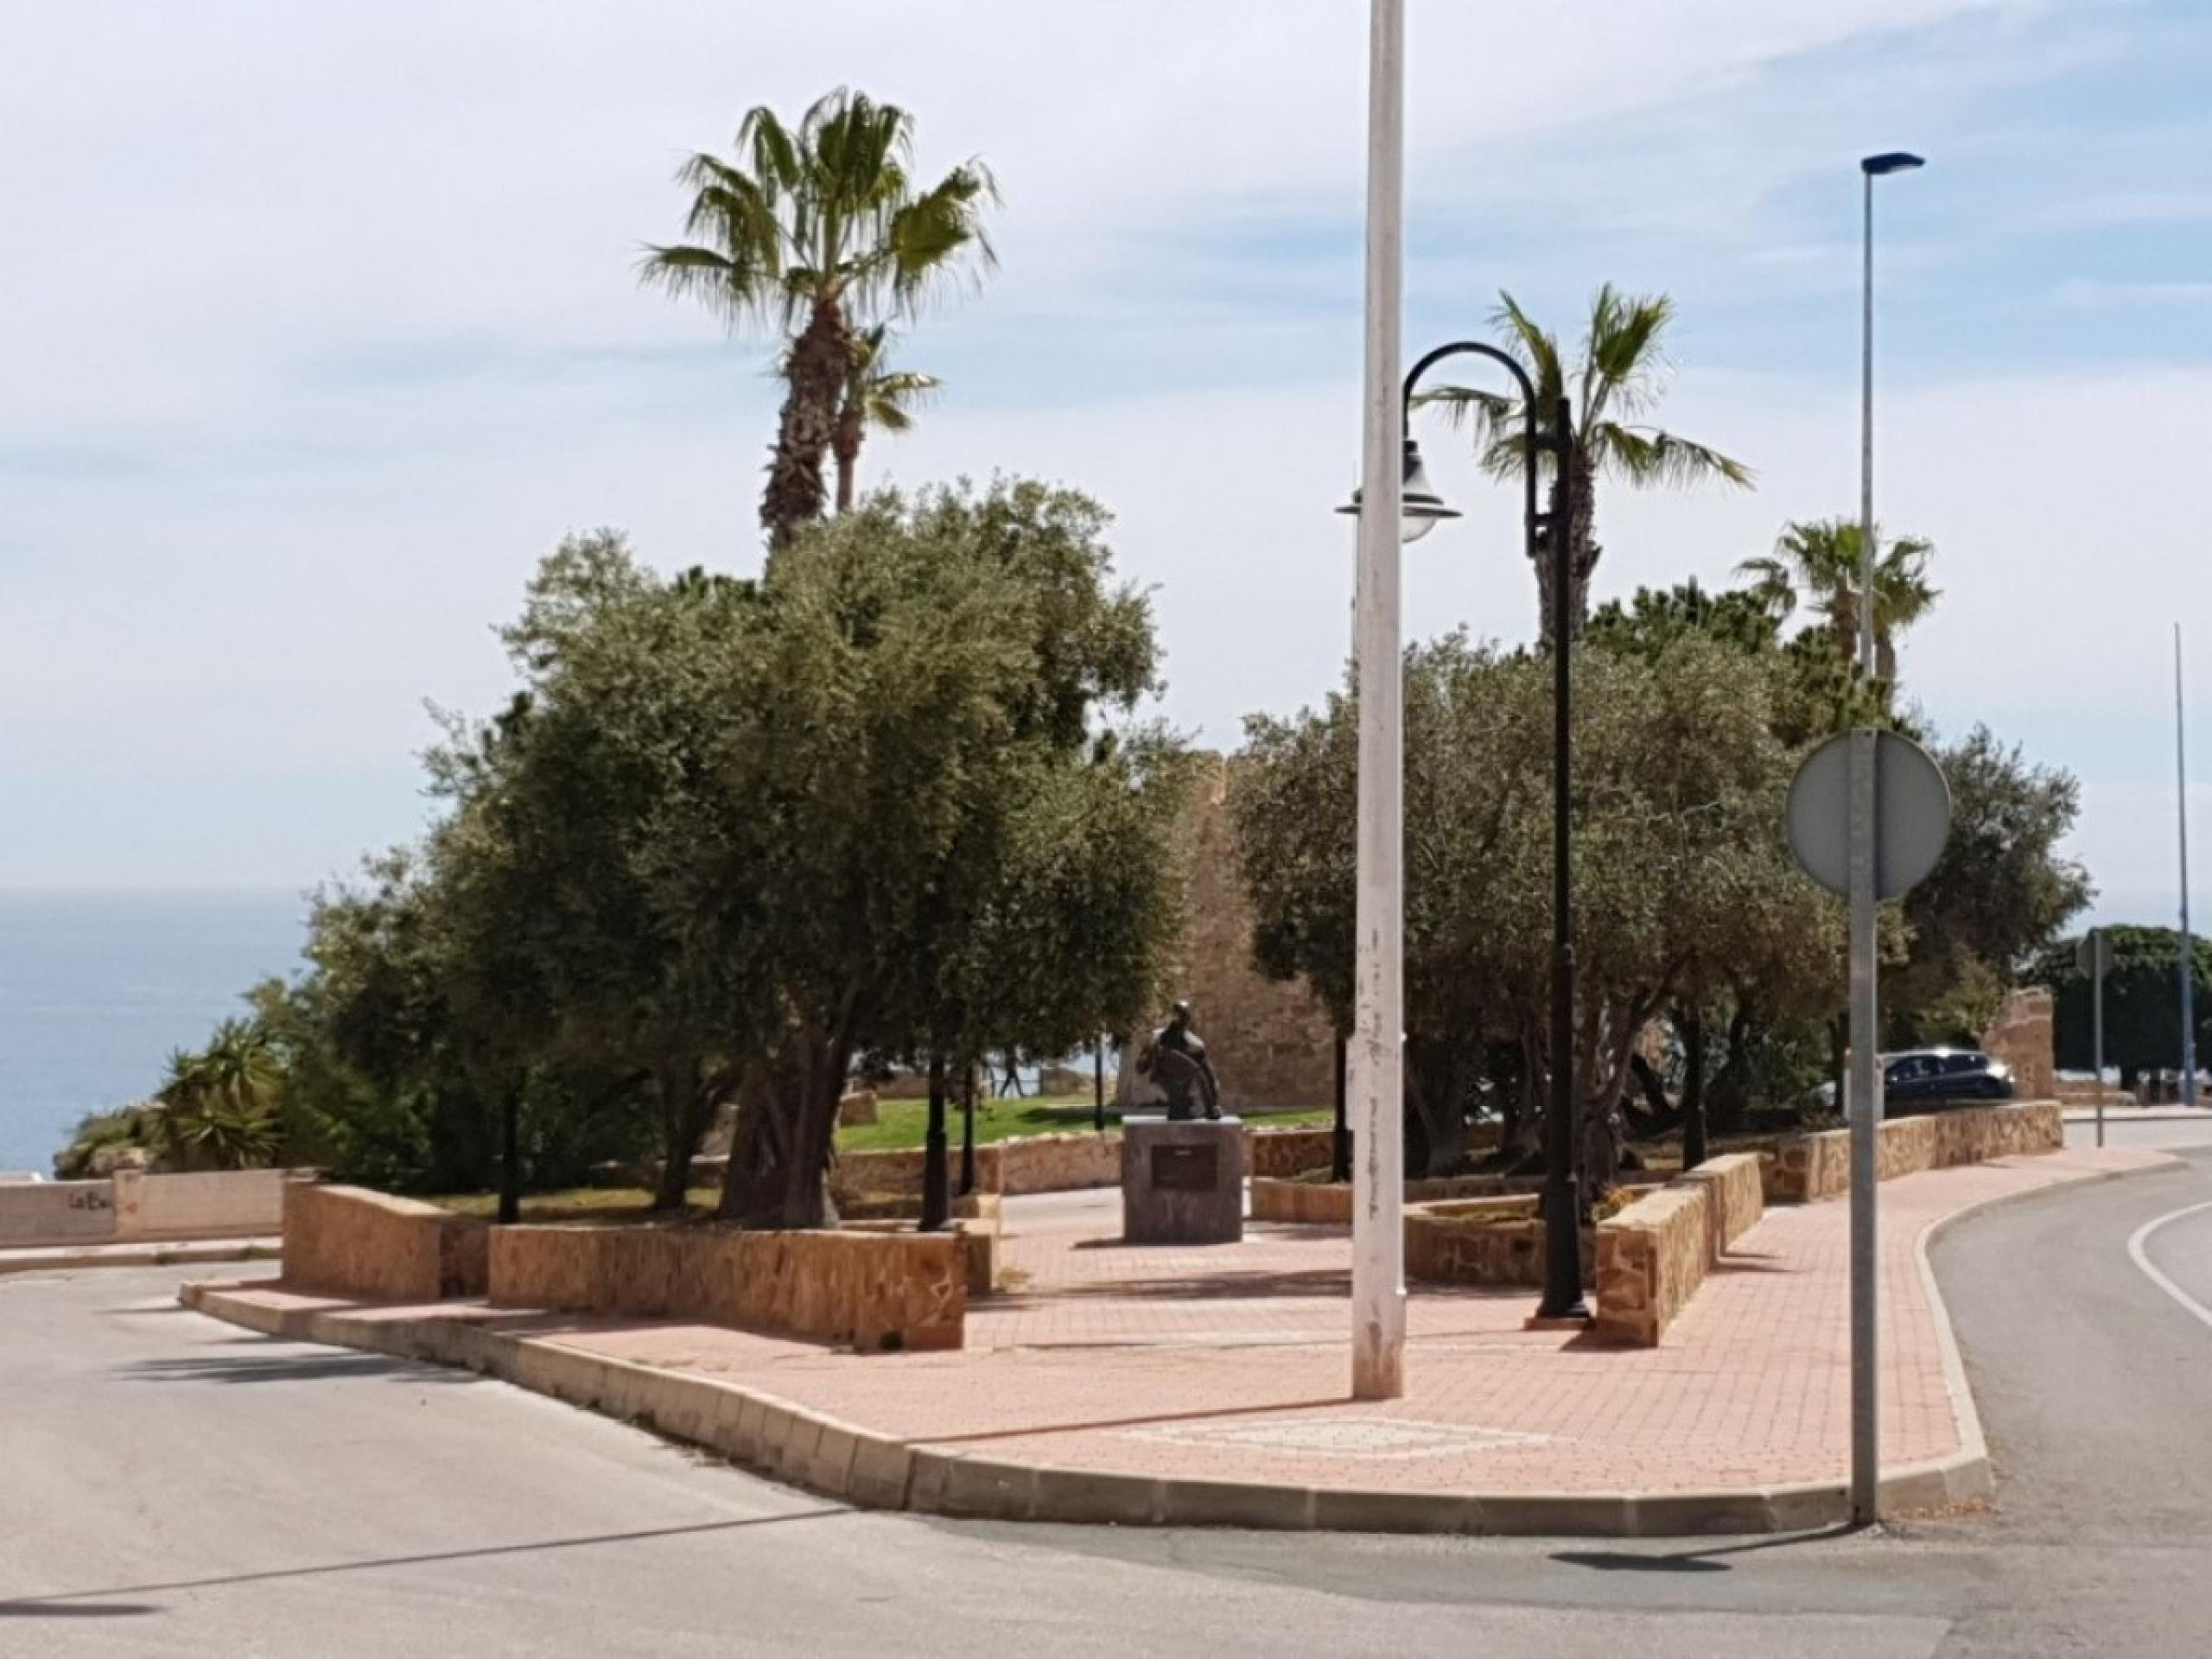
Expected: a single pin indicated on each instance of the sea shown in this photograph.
(97, 988)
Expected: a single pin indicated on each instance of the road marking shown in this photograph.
(2135, 1250)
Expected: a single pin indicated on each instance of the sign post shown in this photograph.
(1869, 812)
(2094, 958)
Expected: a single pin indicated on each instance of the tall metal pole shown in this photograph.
(1562, 1191)
(1864, 1103)
(2097, 1021)
(1378, 1286)
(2188, 949)
(1098, 1084)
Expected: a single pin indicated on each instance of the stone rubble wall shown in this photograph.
(1049, 1163)
(349, 1241)
(1276, 1153)
(1653, 1256)
(1806, 1168)
(2023, 1038)
(1270, 1043)
(1324, 1203)
(876, 1292)
(1496, 1241)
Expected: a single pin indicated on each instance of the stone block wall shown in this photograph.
(1735, 1197)
(2023, 1038)
(876, 1292)
(348, 1241)
(1651, 1258)
(1270, 1043)
(1288, 1152)
(1495, 1241)
(1805, 1167)
(1323, 1204)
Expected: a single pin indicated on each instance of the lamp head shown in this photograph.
(1894, 161)
(1419, 505)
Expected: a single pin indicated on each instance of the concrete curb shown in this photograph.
(151, 1255)
(781, 1438)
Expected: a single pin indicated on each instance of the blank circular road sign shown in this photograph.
(1912, 814)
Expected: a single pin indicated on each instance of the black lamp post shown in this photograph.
(1421, 508)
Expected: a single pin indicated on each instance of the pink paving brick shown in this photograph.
(1231, 1361)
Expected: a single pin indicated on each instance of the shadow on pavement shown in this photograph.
(1695, 1560)
(84, 1603)
(290, 1368)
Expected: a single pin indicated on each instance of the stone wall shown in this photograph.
(876, 1292)
(1495, 1240)
(1323, 1204)
(131, 1205)
(1652, 1256)
(1274, 1152)
(1805, 1167)
(2023, 1038)
(1270, 1043)
(1047, 1163)
(348, 1241)
(57, 1212)
(226, 1203)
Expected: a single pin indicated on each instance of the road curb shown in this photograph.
(180, 1253)
(779, 1438)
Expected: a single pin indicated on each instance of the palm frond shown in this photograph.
(1647, 457)
(1537, 350)
(1623, 358)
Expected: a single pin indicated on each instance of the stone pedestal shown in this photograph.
(1182, 1183)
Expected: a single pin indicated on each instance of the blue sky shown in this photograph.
(330, 330)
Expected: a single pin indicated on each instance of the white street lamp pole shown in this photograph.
(1864, 1099)
(1376, 1080)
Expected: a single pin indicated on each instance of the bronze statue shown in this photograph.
(1176, 1060)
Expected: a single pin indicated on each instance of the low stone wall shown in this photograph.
(1325, 1204)
(1805, 1167)
(1277, 1152)
(56, 1212)
(876, 1292)
(227, 1203)
(1496, 1241)
(979, 1245)
(1653, 1256)
(348, 1241)
(131, 1205)
(2023, 1038)
(1735, 1196)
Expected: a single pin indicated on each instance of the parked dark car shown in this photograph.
(1935, 1076)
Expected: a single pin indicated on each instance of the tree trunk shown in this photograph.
(1572, 509)
(510, 1155)
(1693, 1149)
(690, 1098)
(1732, 1084)
(937, 1204)
(821, 360)
(845, 449)
(786, 1126)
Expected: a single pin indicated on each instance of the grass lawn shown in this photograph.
(900, 1123)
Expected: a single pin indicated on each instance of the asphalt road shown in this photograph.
(172, 1485)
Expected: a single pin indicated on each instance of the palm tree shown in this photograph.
(218, 1105)
(804, 230)
(1617, 379)
(875, 396)
(1820, 556)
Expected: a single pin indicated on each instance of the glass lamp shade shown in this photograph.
(1419, 505)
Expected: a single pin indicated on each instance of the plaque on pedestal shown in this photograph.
(1182, 1183)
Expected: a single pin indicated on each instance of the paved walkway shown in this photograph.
(1229, 1362)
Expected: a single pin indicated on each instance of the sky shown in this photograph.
(322, 327)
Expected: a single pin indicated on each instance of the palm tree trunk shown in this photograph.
(845, 448)
(820, 360)
(1572, 507)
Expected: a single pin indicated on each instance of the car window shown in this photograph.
(1904, 1071)
(1956, 1062)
